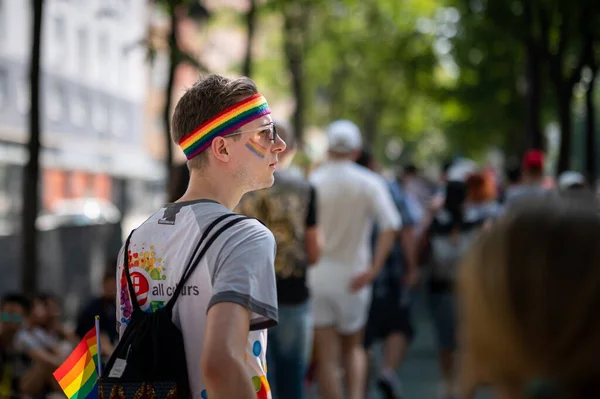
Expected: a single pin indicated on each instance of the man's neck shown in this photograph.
(202, 187)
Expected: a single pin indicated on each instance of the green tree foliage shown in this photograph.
(485, 105)
(365, 61)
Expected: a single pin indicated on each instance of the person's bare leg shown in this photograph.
(327, 356)
(394, 350)
(446, 358)
(470, 378)
(355, 365)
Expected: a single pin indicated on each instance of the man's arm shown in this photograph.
(383, 247)
(222, 363)
(313, 239)
(408, 235)
(389, 221)
(408, 240)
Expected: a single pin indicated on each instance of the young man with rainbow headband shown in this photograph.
(226, 132)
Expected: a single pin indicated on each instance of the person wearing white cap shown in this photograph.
(350, 198)
(570, 180)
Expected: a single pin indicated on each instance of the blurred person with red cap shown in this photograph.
(533, 182)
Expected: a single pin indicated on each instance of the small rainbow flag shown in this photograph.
(77, 376)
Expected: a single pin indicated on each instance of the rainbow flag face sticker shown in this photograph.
(256, 148)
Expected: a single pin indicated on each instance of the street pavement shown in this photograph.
(419, 374)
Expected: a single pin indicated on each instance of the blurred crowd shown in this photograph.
(353, 248)
(321, 222)
(35, 339)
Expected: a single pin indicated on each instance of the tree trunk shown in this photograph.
(293, 42)
(590, 131)
(173, 62)
(533, 129)
(564, 98)
(29, 212)
(250, 23)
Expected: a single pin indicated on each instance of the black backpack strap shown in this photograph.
(132, 295)
(195, 261)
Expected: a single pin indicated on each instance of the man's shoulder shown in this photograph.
(369, 178)
(193, 219)
(249, 230)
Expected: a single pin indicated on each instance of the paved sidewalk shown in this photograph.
(419, 374)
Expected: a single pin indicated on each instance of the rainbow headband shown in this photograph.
(223, 124)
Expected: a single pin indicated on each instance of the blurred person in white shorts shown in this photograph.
(351, 198)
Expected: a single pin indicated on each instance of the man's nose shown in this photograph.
(279, 145)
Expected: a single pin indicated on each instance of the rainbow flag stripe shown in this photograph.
(256, 148)
(77, 376)
(224, 123)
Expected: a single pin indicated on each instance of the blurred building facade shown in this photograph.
(94, 100)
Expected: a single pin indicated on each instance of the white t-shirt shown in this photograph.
(350, 198)
(237, 268)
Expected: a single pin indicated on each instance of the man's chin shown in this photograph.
(266, 183)
(269, 181)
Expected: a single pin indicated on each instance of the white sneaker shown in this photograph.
(389, 384)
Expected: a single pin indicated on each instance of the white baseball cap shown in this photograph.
(344, 136)
(461, 169)
(569, 178)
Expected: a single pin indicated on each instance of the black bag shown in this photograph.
(149, 360)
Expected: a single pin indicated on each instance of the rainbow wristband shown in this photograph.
(223, 124)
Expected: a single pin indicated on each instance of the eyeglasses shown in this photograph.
(271, 128)
(11, 317)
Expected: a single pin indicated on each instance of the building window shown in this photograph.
(83, 52)
(56, 102)
(59, 38)
(123, 67)
(105, 65)
(100, 116)
(3, 87)
(79, 110)
(3, 21)
(120, 122)
(23, 99)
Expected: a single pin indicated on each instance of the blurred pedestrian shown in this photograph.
(13, 309)
(105, 307)
(529, 295)
(350, 198)
(390, 312)
(533, 182)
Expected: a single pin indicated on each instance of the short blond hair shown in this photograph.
(205, 99)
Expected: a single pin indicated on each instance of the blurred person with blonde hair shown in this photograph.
(529, 293)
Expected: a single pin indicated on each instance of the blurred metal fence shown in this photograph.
(72, 262)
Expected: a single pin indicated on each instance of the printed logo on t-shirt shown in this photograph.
(148, 271)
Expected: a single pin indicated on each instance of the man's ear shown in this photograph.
(220, 149)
